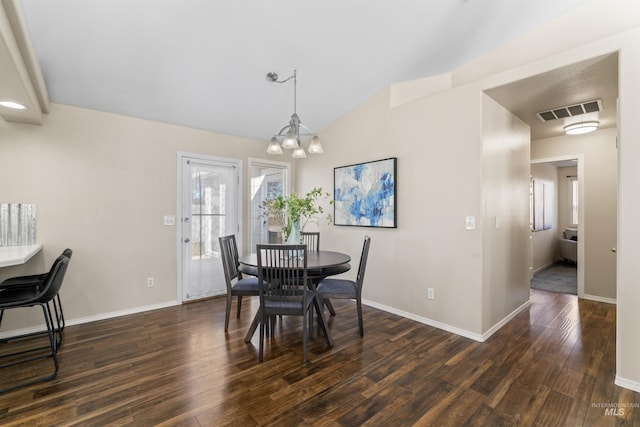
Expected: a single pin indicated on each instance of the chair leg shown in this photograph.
(227, 313)
(59, 313)
(322, 322)
(332, 311)
(239, 306)
(48, 319)
(56, 329)
(261, 344)
(305, 333)
(360, 324)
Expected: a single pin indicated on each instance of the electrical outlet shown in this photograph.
(431, 293)
(149, 282)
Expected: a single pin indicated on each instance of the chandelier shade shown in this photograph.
(291, 135)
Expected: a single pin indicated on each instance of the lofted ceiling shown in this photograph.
(202, 63)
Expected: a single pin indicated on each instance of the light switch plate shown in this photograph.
(470, 223)
(169, 220)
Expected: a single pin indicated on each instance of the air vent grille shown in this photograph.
(570, 110)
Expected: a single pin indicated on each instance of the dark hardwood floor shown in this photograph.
(553, 365)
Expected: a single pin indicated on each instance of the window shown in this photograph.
(268, 180)
(573, 200)
(541, 205)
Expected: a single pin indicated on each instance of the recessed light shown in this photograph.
(11, 104)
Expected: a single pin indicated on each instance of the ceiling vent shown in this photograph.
(570, 110)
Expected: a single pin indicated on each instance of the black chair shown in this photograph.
(236, 284)
(347, 289)
(37, 280)
(29, 296)
(284, 269)
(311, 239)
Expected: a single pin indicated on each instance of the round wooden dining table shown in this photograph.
(320, 264)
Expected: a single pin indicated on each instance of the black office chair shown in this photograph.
(348, 289)
(237, 285)
(29, 296)
(284, 268)
(311, 239)
(36, 280)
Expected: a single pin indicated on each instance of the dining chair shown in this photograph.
(311, 239)
(37, 280)
(348, 289)
(30, 296)
(237, 285)
(284, 269)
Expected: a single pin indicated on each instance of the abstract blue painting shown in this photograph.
(365, 194)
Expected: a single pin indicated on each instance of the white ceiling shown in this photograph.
(202, 63)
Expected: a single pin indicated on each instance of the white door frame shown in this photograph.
(182, 155)
(581, 193)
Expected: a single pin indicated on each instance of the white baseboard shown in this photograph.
(506, 320)
(445, 327)
(87, 319)
(543, 267)
(631, 385)
(599, 299)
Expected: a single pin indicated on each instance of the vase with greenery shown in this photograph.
(292, 213)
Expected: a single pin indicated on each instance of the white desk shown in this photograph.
(15, 255)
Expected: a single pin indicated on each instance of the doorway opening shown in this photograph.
(555, 222)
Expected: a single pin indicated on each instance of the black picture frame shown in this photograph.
(365, 194)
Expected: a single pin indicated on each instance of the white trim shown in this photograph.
(445, 327)
(629, 384)
(506, 320)
(88, 319)
(545, 266)
(600, 299)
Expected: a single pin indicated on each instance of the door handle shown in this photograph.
(187, 240)
(614, 249)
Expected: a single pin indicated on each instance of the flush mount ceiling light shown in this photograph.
(580, 128)
(289, 136)
(11, 104)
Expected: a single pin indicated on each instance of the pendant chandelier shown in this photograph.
(289, 136)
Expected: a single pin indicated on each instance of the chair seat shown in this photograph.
(247, 284)
(24, 280)
(337, 288)
(18, 295)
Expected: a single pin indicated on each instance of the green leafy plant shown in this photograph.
(283, 211)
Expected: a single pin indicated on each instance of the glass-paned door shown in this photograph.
(210, 194)
(268, 180)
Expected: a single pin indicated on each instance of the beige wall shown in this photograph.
(102, 184)
(505, 224)
(598, 233)
(543, 242)
(430, 245)
(628, 267)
